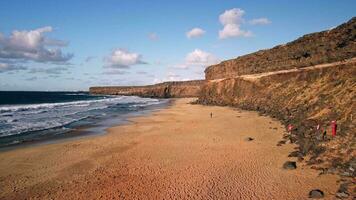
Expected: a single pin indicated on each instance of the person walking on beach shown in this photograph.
(211, 115)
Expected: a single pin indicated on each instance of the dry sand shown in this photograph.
(175, 153)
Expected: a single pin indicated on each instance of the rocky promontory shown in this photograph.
(174, 89)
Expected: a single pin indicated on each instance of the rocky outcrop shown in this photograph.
(162, 90)
(323, 47)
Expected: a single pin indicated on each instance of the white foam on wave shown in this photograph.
(19, 119)
(45, 125)
(120, 99)
(25, 107)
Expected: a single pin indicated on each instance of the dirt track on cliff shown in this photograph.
(254, 77)
(178, 153)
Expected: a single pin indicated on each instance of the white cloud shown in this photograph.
(233, 30)
(195, 33)
(200, 58)
(197, 58)
(233, 16)
(121, 58)
(153, 36)
(33, 45)
(28, 40)
(260, 21)
(232, 20)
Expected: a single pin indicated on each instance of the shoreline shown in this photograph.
(89, 130)
(178, 150)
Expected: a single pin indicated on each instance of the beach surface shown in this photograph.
(179, 152)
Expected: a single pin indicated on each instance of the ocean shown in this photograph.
(28, 117)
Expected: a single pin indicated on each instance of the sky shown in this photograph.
(71, 45)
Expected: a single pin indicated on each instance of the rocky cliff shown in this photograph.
(161, 90)
(323, 47)
(289, 83)
(304, 98)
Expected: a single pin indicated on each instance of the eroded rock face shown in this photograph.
(311, 49)
(161, 90)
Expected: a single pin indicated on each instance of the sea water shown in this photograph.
(37, 116)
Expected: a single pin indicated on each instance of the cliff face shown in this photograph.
(312, 49)
(319, 93)
(161, 90)
(303, 98)
(285, 83)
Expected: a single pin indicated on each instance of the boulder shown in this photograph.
(316, 194)
(290, 165)
(249, 139)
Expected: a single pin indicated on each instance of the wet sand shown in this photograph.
(175, 153)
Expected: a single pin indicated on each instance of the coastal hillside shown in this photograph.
(288, 83)
(304, 98)
(162, 90)
(328, 46)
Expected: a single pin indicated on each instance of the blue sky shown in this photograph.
(72, 45)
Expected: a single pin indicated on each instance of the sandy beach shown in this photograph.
(175, 153)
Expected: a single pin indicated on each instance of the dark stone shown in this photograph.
(306, 145)
(281, 142)
(290, 165)
(249, 139)
(295, 154)
(300, 159)
(343, 188)
(306, 54)
(292, 139)
(316, 194)
(319, 150)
